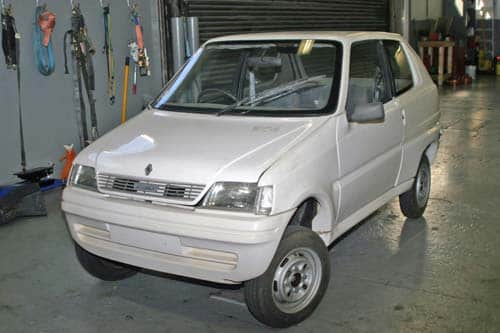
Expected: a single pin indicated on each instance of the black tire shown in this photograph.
(261, 292)
(414, 201)
(101, 268)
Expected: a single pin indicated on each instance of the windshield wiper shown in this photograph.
(232, 107)
(280, 91)
(272, 93)
(284, 93)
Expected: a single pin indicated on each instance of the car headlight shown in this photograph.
(84, 177)
(245, 197)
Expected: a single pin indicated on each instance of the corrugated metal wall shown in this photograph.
(223, 17)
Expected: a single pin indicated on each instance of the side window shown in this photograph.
(399, 65)
(367, 81)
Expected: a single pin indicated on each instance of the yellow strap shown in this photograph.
(125, 91)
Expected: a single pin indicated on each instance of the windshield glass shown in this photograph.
(267, 77)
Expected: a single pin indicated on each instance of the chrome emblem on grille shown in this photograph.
(148, 169)
(146, 188)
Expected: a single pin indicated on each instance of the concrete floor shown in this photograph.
(438, 274)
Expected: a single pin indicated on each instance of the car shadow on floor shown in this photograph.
(192, 298)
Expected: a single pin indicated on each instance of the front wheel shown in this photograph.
(414, 201)
(295, 281)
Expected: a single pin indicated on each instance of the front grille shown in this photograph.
(148, 188)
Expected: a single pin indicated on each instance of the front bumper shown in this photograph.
(217, 246)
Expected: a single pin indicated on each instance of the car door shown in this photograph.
(416, 116)
(370, 153)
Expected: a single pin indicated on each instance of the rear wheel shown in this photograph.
(102, 268)
(414, 201)
(295, 281)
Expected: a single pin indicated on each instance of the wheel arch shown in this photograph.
(305, 213)
(431, 151)
(316, 213)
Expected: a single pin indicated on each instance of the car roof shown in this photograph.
(342, 36)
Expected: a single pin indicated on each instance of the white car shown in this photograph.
(258, 154)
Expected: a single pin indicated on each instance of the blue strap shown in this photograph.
(44, 56)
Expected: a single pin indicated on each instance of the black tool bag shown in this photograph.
(22, 199)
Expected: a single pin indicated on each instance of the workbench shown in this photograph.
(441, 46)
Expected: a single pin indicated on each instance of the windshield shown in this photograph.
(262, 78)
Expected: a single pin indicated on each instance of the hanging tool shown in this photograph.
(142, 53)
(134, 54)
(8, 36)
(11, 48)
(125, 90)
(83, 70)
(134, 85)
(11, 44)
(108, 50)
(20, 111)
(44, 23)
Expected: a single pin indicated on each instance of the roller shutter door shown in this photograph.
(224, 17)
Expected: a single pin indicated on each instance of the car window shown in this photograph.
(318, 62)
(268, 77)
(400, 68)
(217, 74)
(367, 79)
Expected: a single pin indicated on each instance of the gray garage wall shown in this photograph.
(47, 102)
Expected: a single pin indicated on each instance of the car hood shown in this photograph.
(194, 148)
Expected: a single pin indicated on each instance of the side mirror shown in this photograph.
(367, 113)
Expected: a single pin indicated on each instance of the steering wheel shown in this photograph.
(216, 90)
(378, 85)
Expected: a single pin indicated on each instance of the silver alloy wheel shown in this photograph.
(423, 186)
(296, 280)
